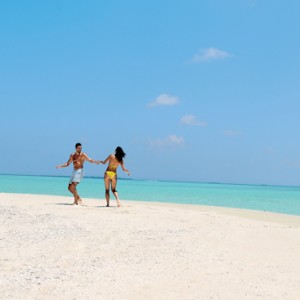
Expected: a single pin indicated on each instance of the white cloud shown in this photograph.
(209, 54)
(233, 133)
(169, 141)
(164, 100)
(192, 120)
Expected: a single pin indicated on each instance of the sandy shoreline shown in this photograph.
(51, 250)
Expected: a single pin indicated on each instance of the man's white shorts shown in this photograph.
(76, 176)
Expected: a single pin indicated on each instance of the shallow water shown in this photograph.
(280, 199)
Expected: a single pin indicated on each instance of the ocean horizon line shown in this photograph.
(158, 180)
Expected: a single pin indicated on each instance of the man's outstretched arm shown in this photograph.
(91, 160)
(66, 164)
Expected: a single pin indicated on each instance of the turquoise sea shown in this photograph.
(280, 199)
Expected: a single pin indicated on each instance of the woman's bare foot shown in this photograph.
(118, 203)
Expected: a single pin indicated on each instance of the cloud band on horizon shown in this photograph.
(171, 140)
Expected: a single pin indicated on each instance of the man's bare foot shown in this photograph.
(107, 205)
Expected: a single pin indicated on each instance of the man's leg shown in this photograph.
(73, 190)
(78, 199)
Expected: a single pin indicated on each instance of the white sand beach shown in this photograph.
(52, 250)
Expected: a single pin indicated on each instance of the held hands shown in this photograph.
(98, 162)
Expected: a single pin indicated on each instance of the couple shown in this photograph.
(110, 176)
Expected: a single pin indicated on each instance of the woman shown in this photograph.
(110, 175)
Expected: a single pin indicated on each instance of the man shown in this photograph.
(78, 158)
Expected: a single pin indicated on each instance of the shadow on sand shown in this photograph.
(84, 205)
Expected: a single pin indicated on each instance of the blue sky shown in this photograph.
(192, 90)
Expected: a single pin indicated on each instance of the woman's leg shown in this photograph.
(113, 189)
(106, 183)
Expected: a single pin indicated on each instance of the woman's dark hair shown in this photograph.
(120, 154)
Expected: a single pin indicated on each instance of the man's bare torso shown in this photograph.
(78, 160)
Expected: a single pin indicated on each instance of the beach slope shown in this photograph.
(52, 250)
